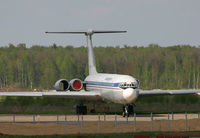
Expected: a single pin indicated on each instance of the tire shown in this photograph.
(84, 110)
(130, 110)
(78, 110)
(123, 114)
(81, 110)
(92, 111)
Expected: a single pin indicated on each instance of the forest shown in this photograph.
(172, 67)
(156, 67)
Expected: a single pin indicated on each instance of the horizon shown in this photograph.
(96, 46)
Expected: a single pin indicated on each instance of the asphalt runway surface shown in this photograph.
(73, 119)
(95, 124)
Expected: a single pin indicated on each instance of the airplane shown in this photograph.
(116, 88)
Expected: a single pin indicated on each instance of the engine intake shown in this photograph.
(76, 85)
(61, 85)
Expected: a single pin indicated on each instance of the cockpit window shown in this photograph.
(125, 85)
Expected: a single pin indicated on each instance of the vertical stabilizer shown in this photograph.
(91, 59)
(89, 33)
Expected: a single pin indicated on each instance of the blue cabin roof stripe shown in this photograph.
(107, 84)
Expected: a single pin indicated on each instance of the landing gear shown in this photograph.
(93, 110)
(81, 110)
(127, 110)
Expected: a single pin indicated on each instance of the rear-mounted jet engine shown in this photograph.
(76, 85)
(61, 85)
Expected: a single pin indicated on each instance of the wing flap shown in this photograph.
(168, 92)
(64, 94)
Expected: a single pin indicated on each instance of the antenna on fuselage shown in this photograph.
(89, 33)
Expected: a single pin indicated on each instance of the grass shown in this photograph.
(63, 106)
(117, 135)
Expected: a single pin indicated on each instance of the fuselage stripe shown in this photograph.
(107, 84)
(102, 87)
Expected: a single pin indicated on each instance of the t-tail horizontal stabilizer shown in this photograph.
(89, 33)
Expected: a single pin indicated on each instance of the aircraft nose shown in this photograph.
(130, 95)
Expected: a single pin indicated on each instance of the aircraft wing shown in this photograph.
(62, 94)
(168, 92)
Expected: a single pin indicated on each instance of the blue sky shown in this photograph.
(164, 22)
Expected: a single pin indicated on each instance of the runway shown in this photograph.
(90, 124)
(87, 118)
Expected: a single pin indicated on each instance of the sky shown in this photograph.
(163, 22)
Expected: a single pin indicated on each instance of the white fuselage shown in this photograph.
(109, 87)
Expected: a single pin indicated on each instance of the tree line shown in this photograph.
(156, 67)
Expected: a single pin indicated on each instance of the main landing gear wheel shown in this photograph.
(127, 110)
(93, 108)
(81, 110)
(92, 111)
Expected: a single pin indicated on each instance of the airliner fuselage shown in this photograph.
(122, 89)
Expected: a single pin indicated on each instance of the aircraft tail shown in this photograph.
(89, 33)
